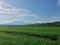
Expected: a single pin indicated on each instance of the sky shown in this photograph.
(29, 11)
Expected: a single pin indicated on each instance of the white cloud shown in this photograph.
(9, 13)
(58, 2)
(7, 21)
(55, 18)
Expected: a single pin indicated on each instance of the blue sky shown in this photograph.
(31, 11)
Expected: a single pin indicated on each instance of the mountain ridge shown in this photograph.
(50, 24)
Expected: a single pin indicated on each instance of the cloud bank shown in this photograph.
(58, 2)
(9, 13)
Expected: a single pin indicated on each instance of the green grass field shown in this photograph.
(29, 35)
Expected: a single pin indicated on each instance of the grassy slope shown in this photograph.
(10, 39)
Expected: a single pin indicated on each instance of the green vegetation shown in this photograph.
(30, 36)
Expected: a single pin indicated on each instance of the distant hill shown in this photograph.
(51, 24)
(20, 24)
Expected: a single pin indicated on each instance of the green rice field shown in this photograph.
(29, 35)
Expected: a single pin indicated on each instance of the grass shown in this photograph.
(30, 36)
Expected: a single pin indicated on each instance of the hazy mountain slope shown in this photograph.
(20, 23)
(57, 24)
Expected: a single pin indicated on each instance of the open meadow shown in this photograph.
(29, 35)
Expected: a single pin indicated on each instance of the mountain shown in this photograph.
(51, 24)
(20, 23)
(16, 23)
(13, 23)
